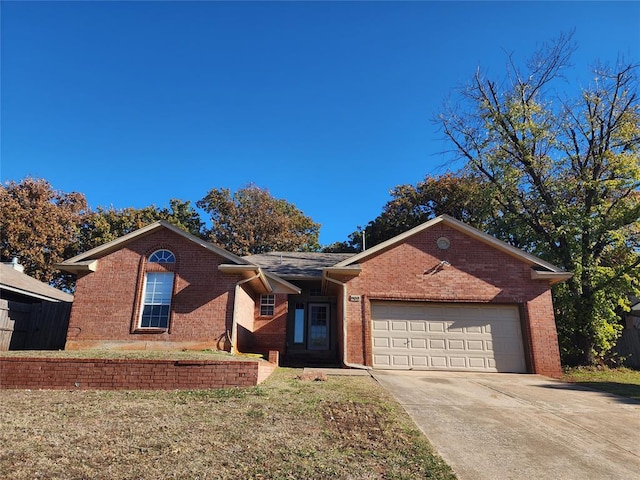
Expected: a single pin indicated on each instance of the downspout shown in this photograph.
(344, 324)
(234, 320)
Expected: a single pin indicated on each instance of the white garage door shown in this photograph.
(428, 336)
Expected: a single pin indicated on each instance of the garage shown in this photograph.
(438, 336)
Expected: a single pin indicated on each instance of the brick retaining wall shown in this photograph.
(129, 374)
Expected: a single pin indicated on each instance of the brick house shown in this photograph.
(442, 295)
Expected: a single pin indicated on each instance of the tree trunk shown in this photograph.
(585, 329)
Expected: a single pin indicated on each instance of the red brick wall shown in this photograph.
(121, 374)
(477, 273)
(106, 305)
(270, 333)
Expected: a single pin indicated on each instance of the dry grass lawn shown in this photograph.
(286, 428)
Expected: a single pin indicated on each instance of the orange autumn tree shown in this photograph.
(252, 221)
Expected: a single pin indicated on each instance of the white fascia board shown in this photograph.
(77, 267)
(461, 227)
(350, 270)
(115, 244)
(552, 277)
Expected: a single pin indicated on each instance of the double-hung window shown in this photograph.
(157, 292)
(267, 305)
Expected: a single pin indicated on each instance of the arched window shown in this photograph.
(157, 293)
(162, 256)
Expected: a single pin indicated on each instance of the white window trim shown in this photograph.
(268, 302)
(143, 302)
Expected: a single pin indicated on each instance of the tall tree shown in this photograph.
(252, 221)
(39, 226)
(106, 224)
(458, 194)
(566, 174)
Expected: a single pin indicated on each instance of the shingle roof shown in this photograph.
(16, 281)
(297, 264)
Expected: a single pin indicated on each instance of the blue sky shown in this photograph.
(326, 104)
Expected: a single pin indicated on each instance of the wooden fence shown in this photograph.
(33, 326)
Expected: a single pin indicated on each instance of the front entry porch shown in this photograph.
(311, 328)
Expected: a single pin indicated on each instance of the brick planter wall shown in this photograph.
(128, 374)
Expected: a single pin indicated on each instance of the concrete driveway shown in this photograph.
(508, 426)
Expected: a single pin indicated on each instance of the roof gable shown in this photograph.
(87, 261)
(521, 255)
(120, 242)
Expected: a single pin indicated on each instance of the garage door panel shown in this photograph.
(457, 362)
(477, 363)
(382, 342)
(380, 325)
(417, 326)
(418, 361)
(453, 328)
(447, 336)
(505, 330)
(477, 345)
(436, 327)
(439, 362)
(399, 342)
(475, 329)
(382, 360)
(400, 360)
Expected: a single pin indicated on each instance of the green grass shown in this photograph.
(285, 428)
(619, 381)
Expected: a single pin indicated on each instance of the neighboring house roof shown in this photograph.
(297, 265)
(541, 270)
(15, 281)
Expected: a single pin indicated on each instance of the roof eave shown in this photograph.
(251, 273)
(551, 277)
(78, 267)
(39, 296)
(351, 270)
(281, 285)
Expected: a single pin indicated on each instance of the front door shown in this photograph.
(318, 326)
(311, 327)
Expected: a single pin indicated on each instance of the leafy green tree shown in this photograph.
(252, 221)
(106, 224)
(564, 173)
(461, 195)
(40, 227)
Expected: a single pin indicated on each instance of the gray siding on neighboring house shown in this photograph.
(628, 345)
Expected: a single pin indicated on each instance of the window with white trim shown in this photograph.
(156, 298)
(267, 305)
(162, 256)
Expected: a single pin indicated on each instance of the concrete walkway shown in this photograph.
(508, 426)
